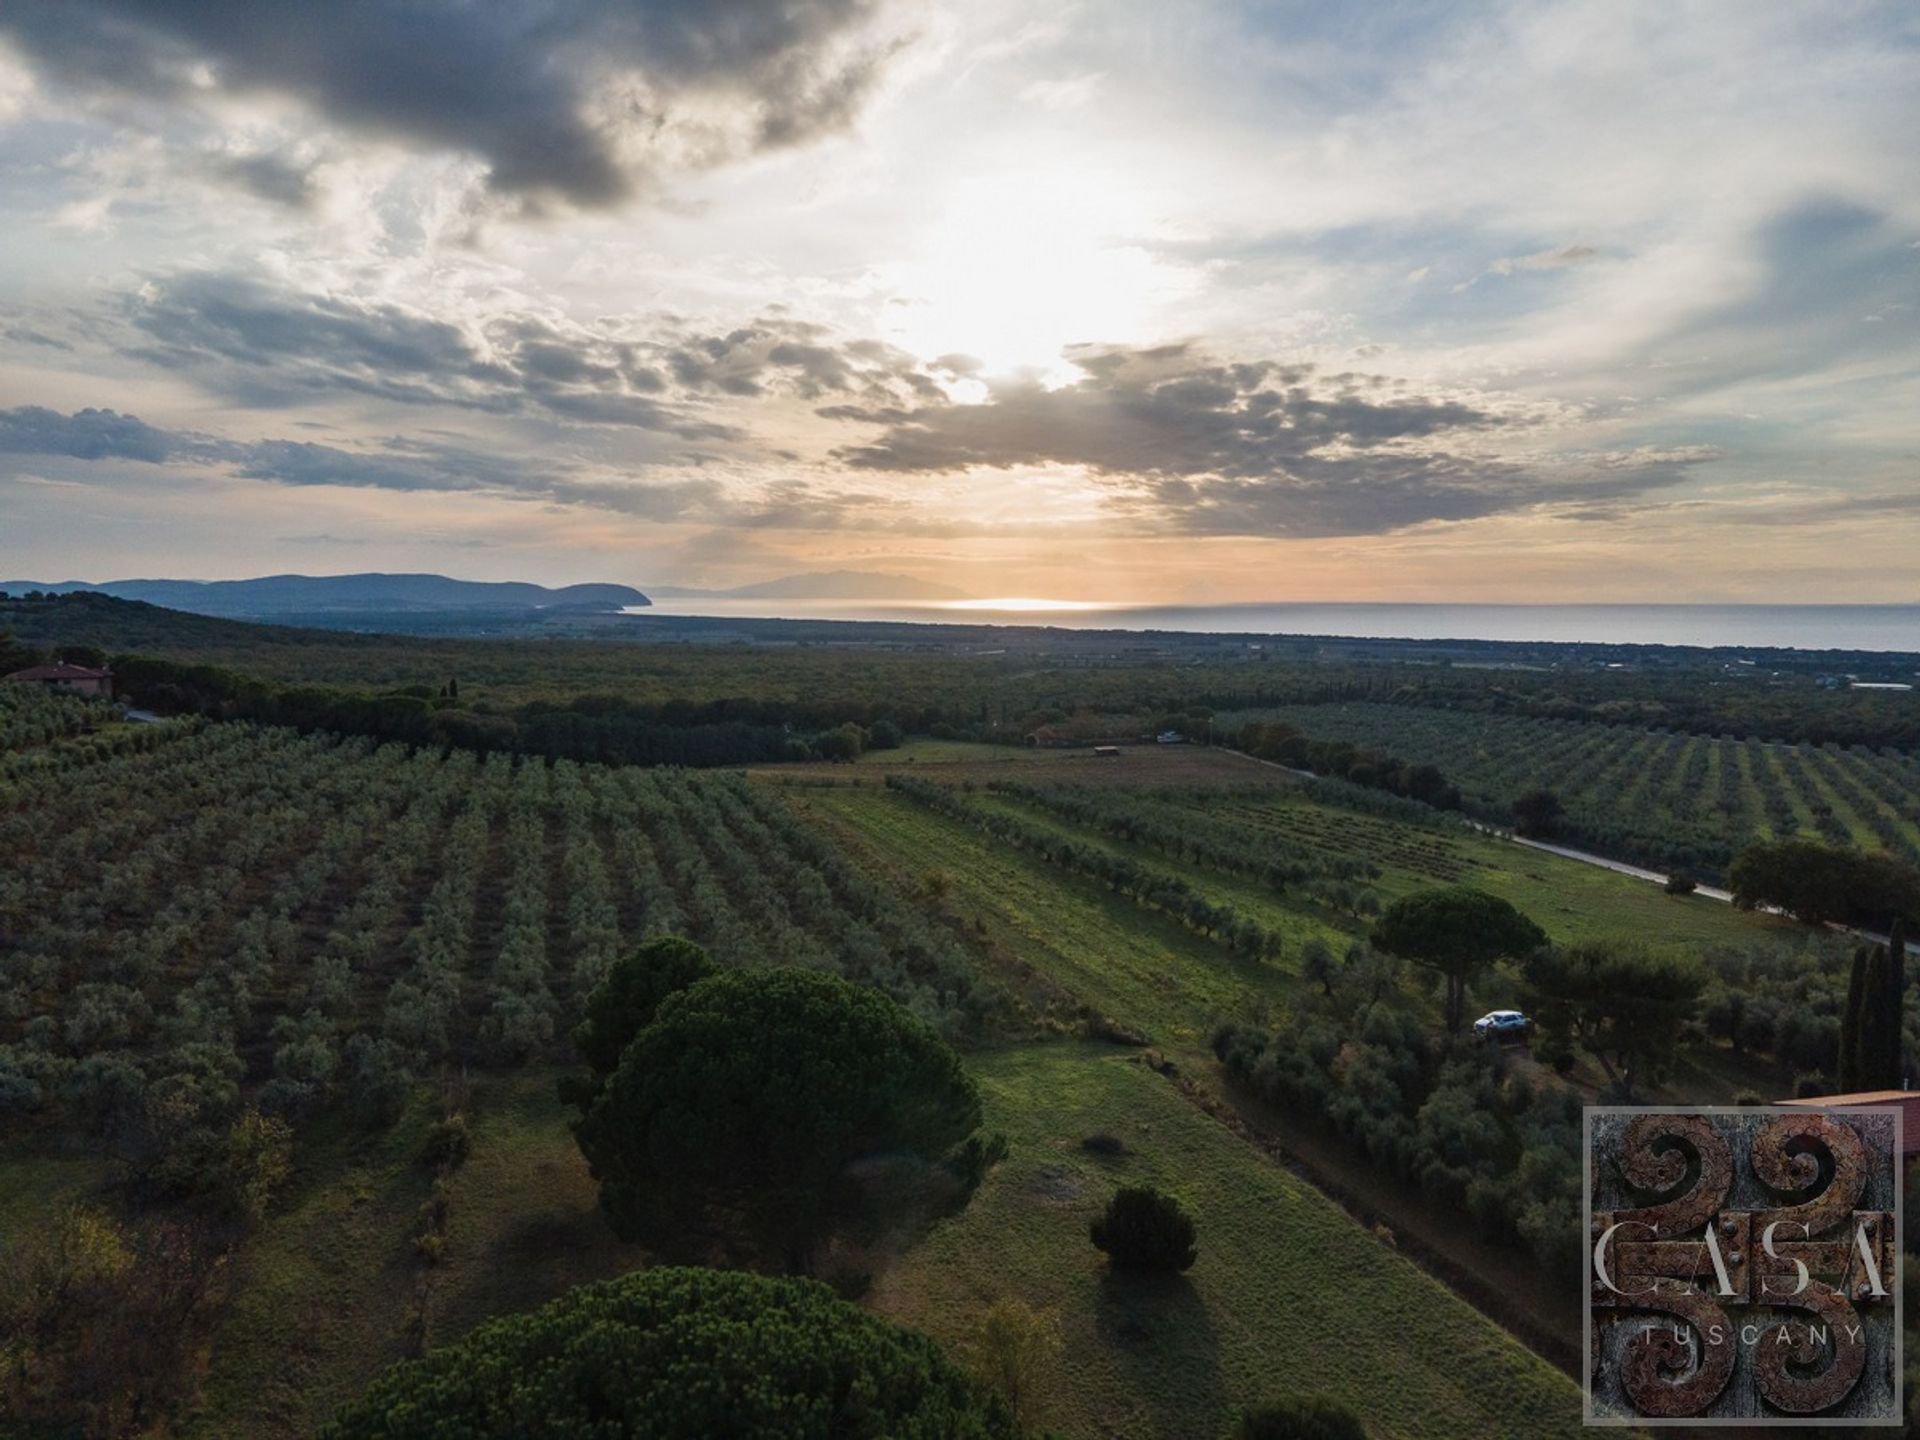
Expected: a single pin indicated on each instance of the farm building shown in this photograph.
(73, 679)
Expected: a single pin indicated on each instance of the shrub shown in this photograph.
(682, 1355)
(1306, 1417)
(1144, 1229)
(1681, 883)
(1809, 1083)
(1011, 1349)
(448, 1143)
(1558, 1054)
(1748, 1097)
(378, 1080)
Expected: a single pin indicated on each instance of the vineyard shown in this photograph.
(1643, 795)
(193, 908)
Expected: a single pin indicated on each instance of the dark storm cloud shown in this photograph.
(266, 176)
(268, 346)
(566, 98)
(1196, 444)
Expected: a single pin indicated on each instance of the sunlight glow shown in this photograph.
(1019, 266)
(1027, 602)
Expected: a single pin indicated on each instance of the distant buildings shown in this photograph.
(1051, 738)
(72, 679)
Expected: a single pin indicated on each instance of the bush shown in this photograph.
(681, 1355)
(1809, 1083)
(1011, 1349)
(448, 1143)
(1306, 1417)
(1558, 1054)
(1145, 1230)
(1681, 883)
(1748, 1097)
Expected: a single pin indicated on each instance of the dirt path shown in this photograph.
(1501, 1284)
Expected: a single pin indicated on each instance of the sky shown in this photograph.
(1171, 301)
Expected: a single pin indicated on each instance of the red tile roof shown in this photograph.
(1905, 1101)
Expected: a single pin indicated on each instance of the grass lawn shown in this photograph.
(1289, 1294)
(524, 1222)
(1133, 965)
(36, 1186)
(323, 1289)
(1571, 900)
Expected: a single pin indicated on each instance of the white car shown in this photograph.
(1502, 1025)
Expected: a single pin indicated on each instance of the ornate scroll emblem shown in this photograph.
(1742, 1266)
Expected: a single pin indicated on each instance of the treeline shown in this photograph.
(1340, 760)
(1153, 889)
(860, 673)
(595, 728)
(1697, 701)
(1443, 1115)
(1823, 885)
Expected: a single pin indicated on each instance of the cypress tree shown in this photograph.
(1849, 1077)
(1870, 1043)
(1892, 1064)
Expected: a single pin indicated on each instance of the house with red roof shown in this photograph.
(72, 679)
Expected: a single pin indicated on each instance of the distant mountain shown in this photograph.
(314, 595)
(825, 585)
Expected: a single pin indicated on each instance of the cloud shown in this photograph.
(1186, 441)
(87, 435)
(414, 466)
(1544, 260)
(578, 100)
(1821, 267)
(1557, 259)
(278, 178)
(268, 345)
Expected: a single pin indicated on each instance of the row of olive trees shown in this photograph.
(336, 916)
(1171, 895)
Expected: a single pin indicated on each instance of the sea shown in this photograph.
(1800, 627)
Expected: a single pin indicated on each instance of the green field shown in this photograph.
(1288, 1295)
(1648, 795)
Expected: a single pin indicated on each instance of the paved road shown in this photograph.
(1587, 857)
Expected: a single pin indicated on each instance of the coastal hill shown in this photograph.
(272, 596)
